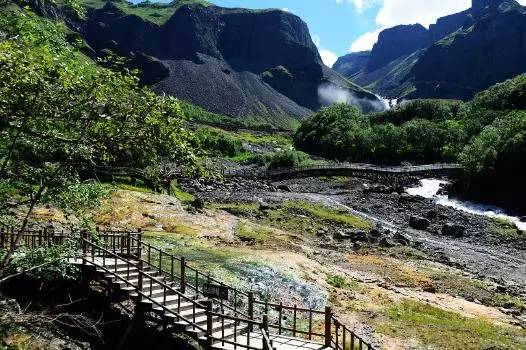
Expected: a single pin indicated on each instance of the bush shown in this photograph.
(288, 159)
(219, 143)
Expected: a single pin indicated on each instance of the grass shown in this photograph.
(181, 195)
(499, 230)
(325, 213)
(254, 233)
(297, 217)
(342, 282)
(440, 329)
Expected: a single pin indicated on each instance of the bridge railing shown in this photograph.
(242, 306)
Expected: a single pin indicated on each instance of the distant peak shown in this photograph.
(483, 4)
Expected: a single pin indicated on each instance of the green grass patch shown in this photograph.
(253, 233)
(342, 282)
(181, 195)
(322, 212)
(436, 328)
(503, 230)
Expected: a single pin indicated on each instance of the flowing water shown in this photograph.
(429, 188)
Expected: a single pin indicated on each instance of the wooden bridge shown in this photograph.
(366, 171)
(168, 290)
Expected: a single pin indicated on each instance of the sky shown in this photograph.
(342, 26)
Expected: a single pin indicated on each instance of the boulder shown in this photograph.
(340, 235)
(431, 214)
(358, 236)
(418, 222)
(453, 230)
(402, 239)
(405, 198)
(375, 232)
(386, 242)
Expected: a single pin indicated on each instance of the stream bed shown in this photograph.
(429, 188)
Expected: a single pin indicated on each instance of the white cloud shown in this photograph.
(365, 41)
(395, 12)
(328, 57)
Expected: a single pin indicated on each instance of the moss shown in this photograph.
(254, 233)
(181, 195)
(503, 230)
(342, 283)
(330, 215)
(441, 329)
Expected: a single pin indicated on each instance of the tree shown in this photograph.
(58, 110)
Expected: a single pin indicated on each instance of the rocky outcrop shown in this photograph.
(235, 62)
(457, 57)
(352, 63)
(397, 42)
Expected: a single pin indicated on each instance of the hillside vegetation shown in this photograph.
(487, 135)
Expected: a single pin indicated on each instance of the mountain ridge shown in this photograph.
(458, 56)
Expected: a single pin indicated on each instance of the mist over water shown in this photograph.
(429, 189)
(329, 94)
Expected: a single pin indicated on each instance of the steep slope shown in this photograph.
(235, 62)
(352, 63)
(460, 55)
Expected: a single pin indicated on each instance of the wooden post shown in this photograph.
(128, 246)
(140, 279)
(265, 329)
(83, 238)
(209, 324)
(2, 238)
(251, 309)
(328, 318)
(183, 275)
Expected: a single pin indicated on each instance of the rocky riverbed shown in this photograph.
(484, 246)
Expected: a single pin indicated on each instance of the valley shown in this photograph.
(222, 136)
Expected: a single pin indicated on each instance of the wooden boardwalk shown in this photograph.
(167, 289)
(368, 171)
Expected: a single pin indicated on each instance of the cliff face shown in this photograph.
(397, 42)
(231, 61)
(352, 63)
(464, 54)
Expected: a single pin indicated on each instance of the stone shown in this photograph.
(418, 222)
(284, 188)
(431, 214)
(340, 235)
(358, 236)
(375, 233)
(405, 198)
(386, 242)
(402, 239)
(453, 230)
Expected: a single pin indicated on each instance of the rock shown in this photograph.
(402, 239)
(405, 198)
(358, 236)
(453, 230)
(356, 246)
(375, 233)
(418, 222)
(429, 289)
(284, 188)
(431, 214)
(386, 242)
(263, 206)
(340, 235)
(523, 218)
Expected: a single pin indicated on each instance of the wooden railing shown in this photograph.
(242, 307)
(346, 167)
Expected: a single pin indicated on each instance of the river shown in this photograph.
(429, 188)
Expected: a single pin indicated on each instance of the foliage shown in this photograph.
(47, 263)
(505, 96)
(288, 159)
(220, 143)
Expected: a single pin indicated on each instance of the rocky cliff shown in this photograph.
(457, 57)
(235, 62)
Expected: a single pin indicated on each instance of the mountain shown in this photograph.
(457, 57)
(235, 62)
